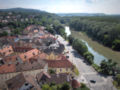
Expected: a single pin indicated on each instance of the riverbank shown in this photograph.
(107, 52)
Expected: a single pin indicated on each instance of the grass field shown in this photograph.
(107, 52)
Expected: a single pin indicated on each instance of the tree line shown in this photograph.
(104, 29)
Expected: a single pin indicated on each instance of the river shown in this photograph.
(95, 48)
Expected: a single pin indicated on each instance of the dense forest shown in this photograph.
(104, 29)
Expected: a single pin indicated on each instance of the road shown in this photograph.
(86, 71)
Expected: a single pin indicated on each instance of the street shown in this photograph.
(86, 71)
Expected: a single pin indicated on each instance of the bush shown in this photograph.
(89, 57)
(51, 71)
(76, 70)
(71, 39)
(65, 86)
(79, 46)
(96, 67)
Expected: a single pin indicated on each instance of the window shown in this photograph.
(9, 85)
(9, 50)
(60, 70)
(26, 84)
(33, 53)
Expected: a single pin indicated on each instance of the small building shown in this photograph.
(60, 66)
(45, 78)
(6, 50)
(22, 82)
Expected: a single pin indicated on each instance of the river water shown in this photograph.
(97, 56)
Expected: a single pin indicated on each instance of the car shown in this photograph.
(92, 81)
(67, 56)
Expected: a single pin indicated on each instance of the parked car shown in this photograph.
(92, 81)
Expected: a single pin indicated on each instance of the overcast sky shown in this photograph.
(66, 6)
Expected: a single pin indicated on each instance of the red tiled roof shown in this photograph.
(75, 83)
(9, 37)
(39, 75)
(19, 80)
(59, 64)
(42, 55)
(27, 55)
(22, 49)
(7, 68)
(10, 58)
(6, 50)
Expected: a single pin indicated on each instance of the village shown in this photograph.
(32, 59)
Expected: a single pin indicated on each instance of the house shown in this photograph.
(60, 66)
(29, 54)
(7, 38)
(22, 82)
(7, 68)
(31, 67)
(22, 49)
(45, 78)
(11, 59)
(55, 50)
(6, 50)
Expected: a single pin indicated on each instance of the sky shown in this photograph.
(66, 6)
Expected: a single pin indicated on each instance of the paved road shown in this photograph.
(87, 73)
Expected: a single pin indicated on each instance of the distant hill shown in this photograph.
(81, 14)
(22, 10)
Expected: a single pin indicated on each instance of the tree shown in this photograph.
(108, 67)
(65, 86)
(116, 45)
(89, 57)
(3, 34)
(71, 39)
(51, 71)
(45, 87)
(79, 46)
(118, 79)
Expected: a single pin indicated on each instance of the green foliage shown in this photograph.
(116, 44)
(3, 34)
(71, 39)
(53, 86)
(65, 86)
(83, 87)
(105, 30)
(118, 79)
(89, 57)
(79, 46)
(96, 67)
(51, 71)
(76, 70)
(45, 87)
(108, 67)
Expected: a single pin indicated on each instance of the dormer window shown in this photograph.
(9, 50)
(3, 53)
(26, 84)
(33, 53)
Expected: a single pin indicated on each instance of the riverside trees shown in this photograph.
(104, 29)
(80, 46)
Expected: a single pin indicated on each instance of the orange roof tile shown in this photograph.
(27, 55)
(6, 50)
(7, 68)
(59, 64)
(10, 58)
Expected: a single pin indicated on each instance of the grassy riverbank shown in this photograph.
(107, 52)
